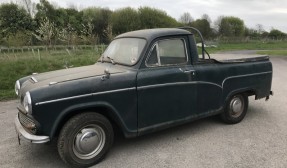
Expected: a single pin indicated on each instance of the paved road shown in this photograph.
(260, 140)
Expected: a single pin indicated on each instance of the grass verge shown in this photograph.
(273, 52)
(254, 45)
(16, 65)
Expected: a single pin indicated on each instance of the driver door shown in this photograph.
(166, 87)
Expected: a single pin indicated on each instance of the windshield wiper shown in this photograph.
(112, 60)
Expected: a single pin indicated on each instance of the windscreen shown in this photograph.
(124, 51)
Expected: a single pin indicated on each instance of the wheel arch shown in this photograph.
(102, 108)
(246, 91)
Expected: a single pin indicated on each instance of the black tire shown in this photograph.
(85, 139)
(235, 109)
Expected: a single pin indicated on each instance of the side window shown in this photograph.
(167, 52)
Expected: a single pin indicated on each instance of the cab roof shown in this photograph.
(150, 34)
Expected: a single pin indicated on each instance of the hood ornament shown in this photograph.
(34, 79)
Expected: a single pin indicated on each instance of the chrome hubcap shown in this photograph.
(89, 142)
(236, 106)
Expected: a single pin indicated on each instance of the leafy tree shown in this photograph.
(74, 19)
(67, 22)
(18, 40)
(277, 34)
(204, 27)
(153, 18)
(45, 11)
(71, 25)
(186, 18)
(231, 27)
(249, 32)
(264, 34)
(24, 23)
(14, 19)
(125, 19)
(100, 18)
(49, 19)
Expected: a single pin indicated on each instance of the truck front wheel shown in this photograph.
(85, 139)
(235, 109)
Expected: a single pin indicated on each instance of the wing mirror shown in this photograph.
(107, 74)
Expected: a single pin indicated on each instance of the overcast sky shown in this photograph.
(269, 13)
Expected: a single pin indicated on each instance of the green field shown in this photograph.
(254, 45)
(14, 65)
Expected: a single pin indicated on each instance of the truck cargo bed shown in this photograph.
(234, 58)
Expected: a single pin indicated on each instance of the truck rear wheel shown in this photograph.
(235, 109)
(85, 139)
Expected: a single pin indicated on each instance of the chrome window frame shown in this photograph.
(158, 57)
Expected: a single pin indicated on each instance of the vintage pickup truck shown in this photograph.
(145, 81)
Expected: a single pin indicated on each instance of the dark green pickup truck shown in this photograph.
(145, 81)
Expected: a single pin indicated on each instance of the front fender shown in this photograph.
(112, 113)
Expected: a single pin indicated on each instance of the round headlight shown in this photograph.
(17, 87)
(27, 103)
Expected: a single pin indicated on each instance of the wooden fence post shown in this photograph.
(39, 54)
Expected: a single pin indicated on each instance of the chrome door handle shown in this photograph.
(187, 71)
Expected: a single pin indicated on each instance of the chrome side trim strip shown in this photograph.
(200, 82)
(238, 76)
(85, 95)
(210, 83)
(111, 91)
(177, 83)
(66, 98)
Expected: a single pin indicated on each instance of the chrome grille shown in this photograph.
(27, 122)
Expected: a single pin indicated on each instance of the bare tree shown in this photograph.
(46, 32)
(73, 6)
(186, 18)
(206, 17)
(55, 4)
(217, 23)
(28, 5)
(88, 35)
(260, 28)
(109, 32)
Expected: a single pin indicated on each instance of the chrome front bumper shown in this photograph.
(23, 134)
